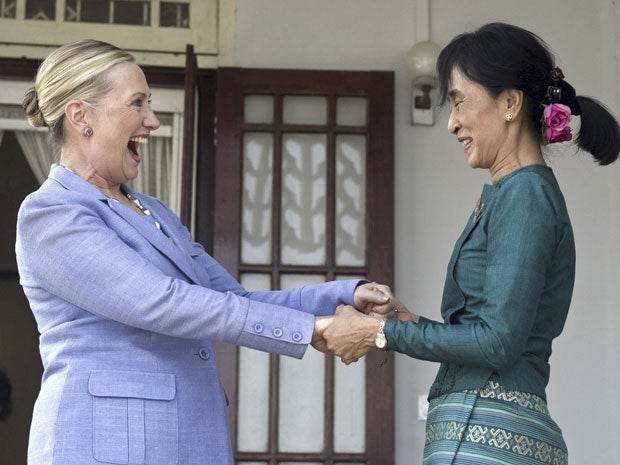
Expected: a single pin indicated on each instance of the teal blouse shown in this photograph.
(507, 291)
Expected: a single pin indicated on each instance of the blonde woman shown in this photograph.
(126, 303)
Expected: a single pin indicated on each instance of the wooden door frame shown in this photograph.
(379, 198)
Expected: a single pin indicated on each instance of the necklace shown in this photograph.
(142, 208)
(131, 198)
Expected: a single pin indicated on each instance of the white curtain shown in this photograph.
(160, 172)
(38, 149)
(160, 169)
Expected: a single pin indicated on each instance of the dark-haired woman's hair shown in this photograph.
(500, 56)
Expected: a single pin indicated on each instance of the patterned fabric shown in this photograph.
(492, 426)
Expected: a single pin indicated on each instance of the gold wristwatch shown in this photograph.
(380, 340)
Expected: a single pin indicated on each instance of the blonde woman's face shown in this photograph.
(121, 125)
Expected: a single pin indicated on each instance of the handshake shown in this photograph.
(350, 333)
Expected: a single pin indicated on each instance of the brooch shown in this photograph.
(478, 210)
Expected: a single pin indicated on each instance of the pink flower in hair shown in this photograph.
(556, 119)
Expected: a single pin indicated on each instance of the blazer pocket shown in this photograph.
(135, 417)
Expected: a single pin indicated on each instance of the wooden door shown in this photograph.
(304, 193)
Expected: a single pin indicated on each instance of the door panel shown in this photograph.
(304, 194)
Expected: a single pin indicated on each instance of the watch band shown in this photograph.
(380, 339)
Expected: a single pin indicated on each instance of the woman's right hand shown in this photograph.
(351, 334)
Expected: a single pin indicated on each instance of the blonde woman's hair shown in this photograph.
(78, 70)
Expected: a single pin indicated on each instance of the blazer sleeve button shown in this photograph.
(277, 332)
(258, 327)
(297, 336)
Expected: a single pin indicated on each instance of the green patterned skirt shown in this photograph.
(492, 426)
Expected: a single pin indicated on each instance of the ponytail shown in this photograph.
(599, 133)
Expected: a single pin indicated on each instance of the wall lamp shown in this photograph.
(422, 62)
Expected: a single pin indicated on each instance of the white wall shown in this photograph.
(435, 190)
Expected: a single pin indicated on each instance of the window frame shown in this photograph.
(148, 43)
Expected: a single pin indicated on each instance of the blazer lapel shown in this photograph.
(143, 224)
(163, 242)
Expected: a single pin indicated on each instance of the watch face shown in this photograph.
(380, 342)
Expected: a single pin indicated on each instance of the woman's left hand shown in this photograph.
(374, 299)
(321, 323)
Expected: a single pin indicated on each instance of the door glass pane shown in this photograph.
(351, 200)
(253, 401)
(253, 385)
(257, 198)
(303, 199)
(304, 110)
(258, 109)
(256, 281)
(302, 401)
(287, 281)
(350, 406)
(351, 111)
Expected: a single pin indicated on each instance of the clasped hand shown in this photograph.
(350, 332)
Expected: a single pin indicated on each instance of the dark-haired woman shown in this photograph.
(510, 278)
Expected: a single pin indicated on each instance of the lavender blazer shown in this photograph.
(126, 314)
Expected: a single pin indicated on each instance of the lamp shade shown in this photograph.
(422, 61)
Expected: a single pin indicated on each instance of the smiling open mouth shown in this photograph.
(132, 145)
